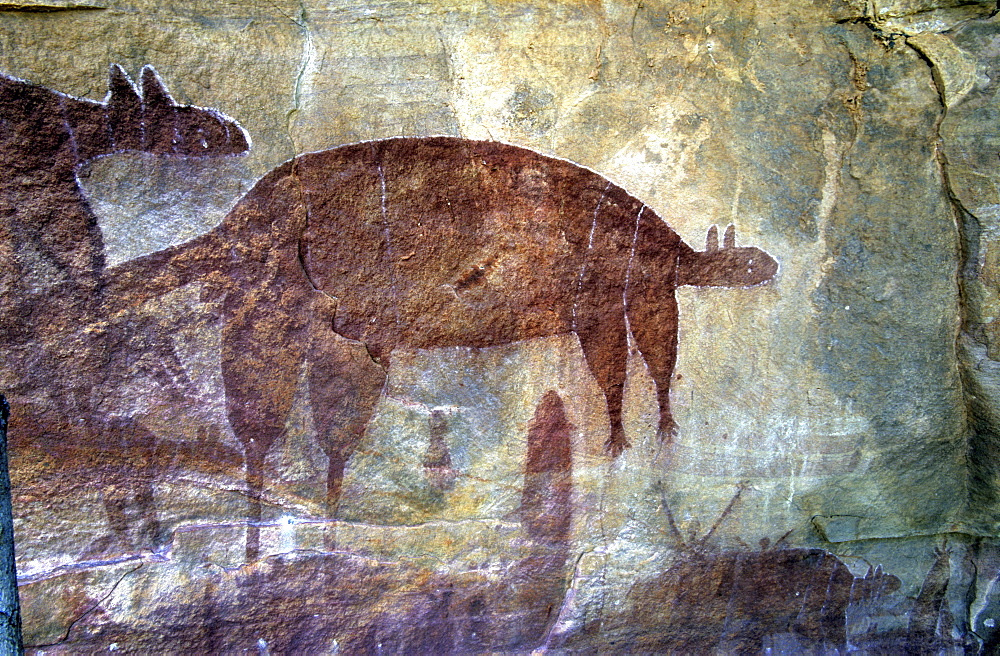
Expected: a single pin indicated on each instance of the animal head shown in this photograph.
(151, 121)
(726, 266)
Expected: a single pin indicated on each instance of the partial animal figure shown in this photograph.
(420, 243)
(60, 342)
(775, 598)
(53, 254)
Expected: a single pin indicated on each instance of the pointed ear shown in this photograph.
(123, 111)
(121, 91)
(712, 240)
(154, 93)
(729, 241)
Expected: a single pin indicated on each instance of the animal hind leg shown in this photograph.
(345, 385)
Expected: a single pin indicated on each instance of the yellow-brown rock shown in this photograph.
(502, 327)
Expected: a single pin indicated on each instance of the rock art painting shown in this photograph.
(502, 327)
(53, 251)
(423, 243)
(702, 601)
(330, 264)
(52, 269)
(63, 350)
(798, 598)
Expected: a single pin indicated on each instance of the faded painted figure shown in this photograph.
(51, 251)
(420, 243)
(64, 348)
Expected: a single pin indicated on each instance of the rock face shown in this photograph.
(426, 243)
(390, 327)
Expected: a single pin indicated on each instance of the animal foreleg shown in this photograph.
(263, 346)
(654, 326)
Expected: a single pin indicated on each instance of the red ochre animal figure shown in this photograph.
(418, 243)
(58, 341)
(52, 266)
(51, 251)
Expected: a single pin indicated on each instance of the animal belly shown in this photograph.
(436, 310)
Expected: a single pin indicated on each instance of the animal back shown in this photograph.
(446, 241)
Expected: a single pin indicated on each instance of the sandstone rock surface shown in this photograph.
(283, 381)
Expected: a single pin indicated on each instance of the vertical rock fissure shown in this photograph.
(10, 607)
(978, 431)
(305, 61)
(978, 435)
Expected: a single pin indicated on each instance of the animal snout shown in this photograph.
(761, 267)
